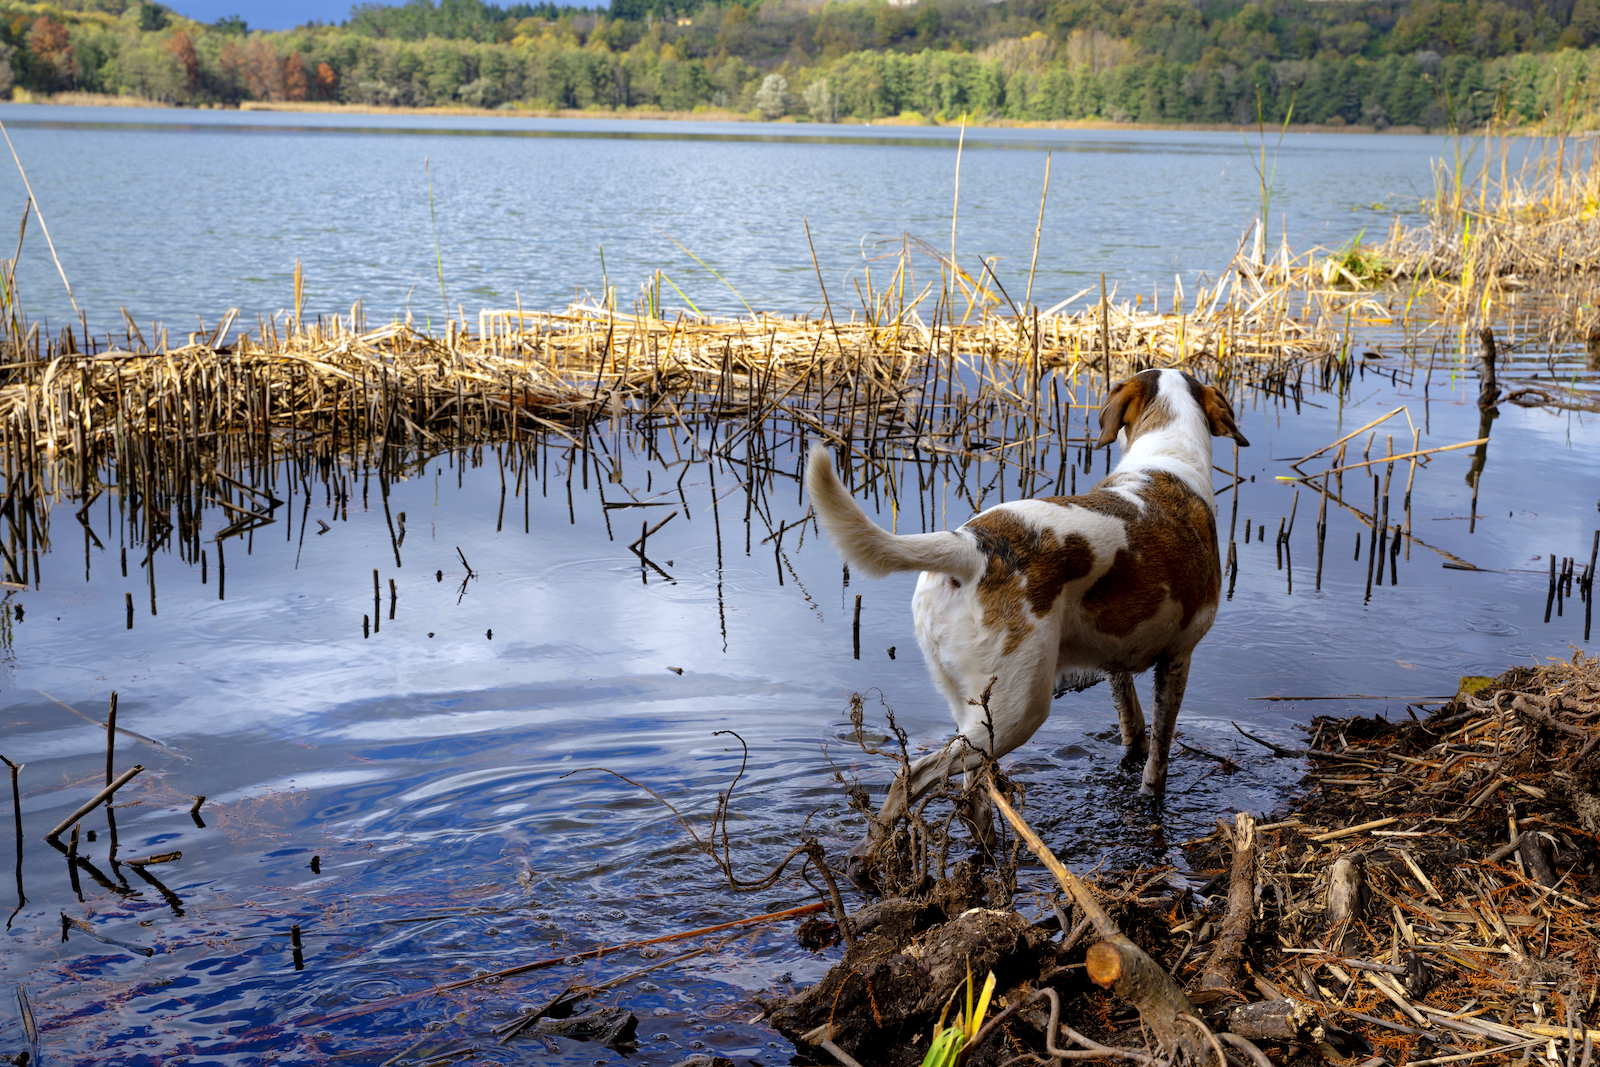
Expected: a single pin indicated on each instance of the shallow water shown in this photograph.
(426, 766)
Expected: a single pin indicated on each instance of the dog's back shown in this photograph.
(1127, 571)
(1035, 594)
(1123, 583)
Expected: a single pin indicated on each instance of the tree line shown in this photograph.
(1380, 63)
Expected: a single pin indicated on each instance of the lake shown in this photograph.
(176, 213)
(420, 801)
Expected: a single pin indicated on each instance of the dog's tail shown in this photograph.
(871, 549)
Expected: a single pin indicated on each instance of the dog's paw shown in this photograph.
(1154, 793)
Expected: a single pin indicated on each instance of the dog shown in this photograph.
(1034, 597)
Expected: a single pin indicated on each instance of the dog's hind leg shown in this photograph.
(1129, 712)
(1172, 678)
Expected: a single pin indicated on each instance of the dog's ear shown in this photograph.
(1219, 414)
(1124, 406)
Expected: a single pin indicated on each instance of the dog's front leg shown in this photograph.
(1172, 678)
(978, 814)
(1129, 712)
(908, 787)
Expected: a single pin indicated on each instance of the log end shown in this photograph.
(1104, 963)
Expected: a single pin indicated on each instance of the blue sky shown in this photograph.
(265, 14)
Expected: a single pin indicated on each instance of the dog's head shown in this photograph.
(1148, 400)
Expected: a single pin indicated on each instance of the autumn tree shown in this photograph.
(231, 71)
(263, 72)
(182, 51)
(327, 81)
(294, 77)
(53, 56)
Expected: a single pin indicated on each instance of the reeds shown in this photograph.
(1491, 231)
(181, 428)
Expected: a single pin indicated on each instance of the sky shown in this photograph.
(266, 14)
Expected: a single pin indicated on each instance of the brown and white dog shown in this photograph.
(1035, 596)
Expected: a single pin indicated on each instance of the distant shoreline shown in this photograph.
(708, 115)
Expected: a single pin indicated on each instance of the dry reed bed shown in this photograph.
(179, 431)
(1541, 218)
(860, 384)
(1494, 228)
(1435, 897)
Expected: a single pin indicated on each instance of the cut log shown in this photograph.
(1122, 967)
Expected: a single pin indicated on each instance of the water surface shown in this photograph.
(175, 213)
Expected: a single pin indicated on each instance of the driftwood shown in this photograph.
(1222, 969)
(1275, 1020)
(1347, 890)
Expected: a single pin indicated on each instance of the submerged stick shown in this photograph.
(594, 953)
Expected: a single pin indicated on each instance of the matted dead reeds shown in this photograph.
(1429, 899)
(550, 371)
(1507, 214)
(1537, 217)
(1433, 900)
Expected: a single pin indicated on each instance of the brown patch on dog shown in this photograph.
(1127, 402)
(1218, 412)
(1171, 554)
(1027, 569)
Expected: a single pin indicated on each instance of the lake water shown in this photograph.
(176, 213)
(426, 766)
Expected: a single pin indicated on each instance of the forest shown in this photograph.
(1373, 63)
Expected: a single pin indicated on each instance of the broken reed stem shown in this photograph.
(16, 796)
(93, 802)
(111, 737)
